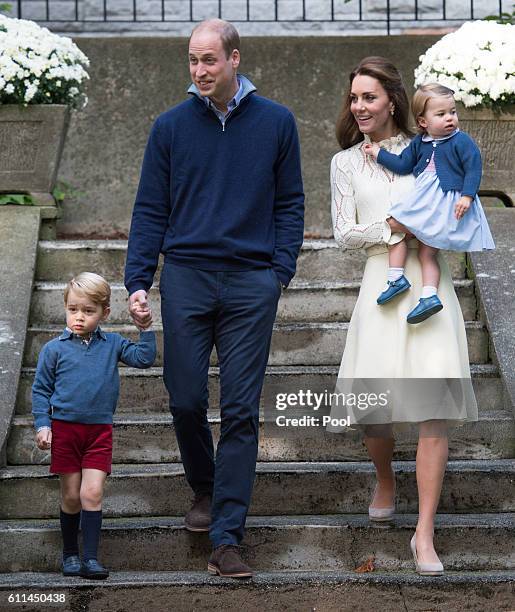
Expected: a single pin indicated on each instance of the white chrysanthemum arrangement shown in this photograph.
(477, 62)
(39, 67)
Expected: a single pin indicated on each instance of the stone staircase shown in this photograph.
(308, 529)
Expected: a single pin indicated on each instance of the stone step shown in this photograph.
(336, 543)
(321, 260)
(287, 590)
(483, 591)
(302, 301)
(143, 391)
(280, 488)
(151, 439)
(292, 344)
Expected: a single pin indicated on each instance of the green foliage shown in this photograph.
(64, 190)
(503, 18)
(5, 8)
(21, 199)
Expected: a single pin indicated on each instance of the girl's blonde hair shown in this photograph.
(422, 95)
(92, 285)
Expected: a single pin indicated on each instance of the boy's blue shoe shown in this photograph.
(395, 288)
(425, 308)
(71, 566)
(93, 570)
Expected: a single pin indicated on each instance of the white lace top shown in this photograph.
(362, 192)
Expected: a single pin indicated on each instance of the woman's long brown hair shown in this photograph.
(347, 131)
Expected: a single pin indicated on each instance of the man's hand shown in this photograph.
(140, 310)
(44, 438)
(372, 149)
(462, 205)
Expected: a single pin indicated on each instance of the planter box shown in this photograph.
(495, 134)
(31, 143)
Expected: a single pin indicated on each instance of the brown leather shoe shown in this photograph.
(226, 561)
(198, 518)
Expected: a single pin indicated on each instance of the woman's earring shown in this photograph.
(392, 110)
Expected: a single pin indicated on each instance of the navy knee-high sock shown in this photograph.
(70, 531)
(91, 523)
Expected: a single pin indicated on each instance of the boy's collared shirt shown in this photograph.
(77, 380)
(68, 332)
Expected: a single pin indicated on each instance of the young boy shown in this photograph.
(74, 396)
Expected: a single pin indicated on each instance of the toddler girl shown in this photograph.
(443, 211)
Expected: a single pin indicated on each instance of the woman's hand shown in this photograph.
(462, 205)
(397, 227)
(372, 149)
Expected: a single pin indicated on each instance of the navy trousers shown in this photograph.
(234, 311)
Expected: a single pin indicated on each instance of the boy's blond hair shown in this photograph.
(92, 285)
(422, 95)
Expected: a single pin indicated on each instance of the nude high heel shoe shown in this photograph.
(425, 569)
(381, 514)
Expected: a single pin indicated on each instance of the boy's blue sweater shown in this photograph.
(457, 162)
(219, 197)
(79, 382)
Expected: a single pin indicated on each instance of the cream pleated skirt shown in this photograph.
(382, 346)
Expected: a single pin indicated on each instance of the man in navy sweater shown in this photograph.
(221, 197)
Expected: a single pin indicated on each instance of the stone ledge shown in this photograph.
(19, 232)
(495, 279)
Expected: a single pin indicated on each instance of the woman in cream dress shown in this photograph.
(380, 344)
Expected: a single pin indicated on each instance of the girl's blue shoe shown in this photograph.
(395, 288)
(425, 308)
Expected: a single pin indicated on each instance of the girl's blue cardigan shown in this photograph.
(457, 161)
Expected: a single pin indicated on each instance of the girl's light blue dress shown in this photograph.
(428, 212)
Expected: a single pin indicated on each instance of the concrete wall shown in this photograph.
(135, 79)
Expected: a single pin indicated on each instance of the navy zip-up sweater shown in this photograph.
(457, 162)
(219, 197)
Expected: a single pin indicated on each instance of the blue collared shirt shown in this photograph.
(231, 105)
(78, 381)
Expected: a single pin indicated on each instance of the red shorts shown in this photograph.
(79, 445)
